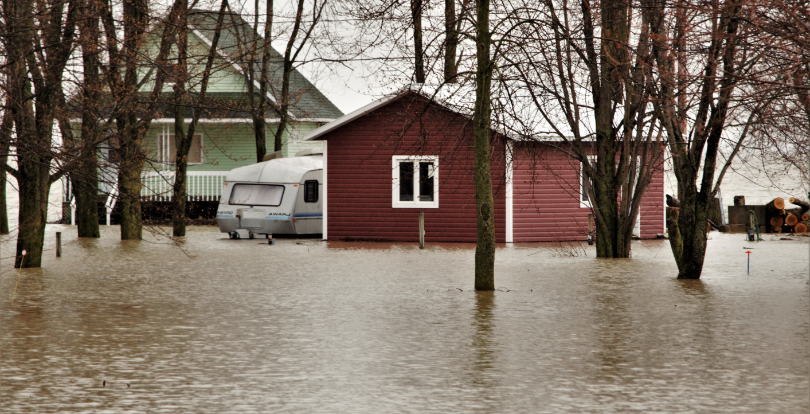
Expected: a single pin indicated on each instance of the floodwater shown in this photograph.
(307, 326)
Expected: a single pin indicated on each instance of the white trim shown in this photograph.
(509, 193)
(325, 194)
(584, 203)
(235, 66)
(203, 120)
(345, 119)
(216, 121)
(396, 160)
(166, 158)
(223, 120)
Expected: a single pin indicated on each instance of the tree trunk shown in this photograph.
(284, 104)
(182, 142)
(450, 41)
(33, 179)
(675, 240)
(419, 54)
(485, 245)
(85, 178)
(33, 213)
(132, 156)
(259, 126)
(5, 143)
(85, 189)
(692, 219)
(129, 186)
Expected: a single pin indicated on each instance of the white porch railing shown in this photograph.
(200, 185)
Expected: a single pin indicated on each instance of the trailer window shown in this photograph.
(311, 191)
(256, 195)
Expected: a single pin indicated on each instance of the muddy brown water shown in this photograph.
(307, 326)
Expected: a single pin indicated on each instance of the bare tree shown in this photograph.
(184, 137)
(482, 132)
(38, 38)
(255, 54)
(704, 56)
(132, 115)
(579, 75)
(84, 178)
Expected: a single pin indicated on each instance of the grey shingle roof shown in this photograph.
(306, 100)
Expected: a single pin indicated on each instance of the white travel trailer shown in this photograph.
(279, 196)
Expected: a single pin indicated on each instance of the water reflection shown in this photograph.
(483, 340)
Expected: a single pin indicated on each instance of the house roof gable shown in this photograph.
(307, 101)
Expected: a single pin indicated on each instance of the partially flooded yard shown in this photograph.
(311, 326)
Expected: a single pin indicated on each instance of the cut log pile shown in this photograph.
(782, 220)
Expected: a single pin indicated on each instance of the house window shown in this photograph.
(311, 191)
(167, 152)
(584, 201)
(415, 182)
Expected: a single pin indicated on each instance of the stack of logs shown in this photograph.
(781, 220)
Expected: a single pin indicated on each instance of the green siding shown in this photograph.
(224, 76)
(228, 146)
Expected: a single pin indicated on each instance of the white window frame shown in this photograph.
(396, 160)
(584, 203)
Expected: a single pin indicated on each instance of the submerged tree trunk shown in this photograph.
(85, 177)
(5, 143)
(182, 143)
(485, 243)
(132, 156)
(33, 167)
(692, 219)
(33, 213)
(129, 189)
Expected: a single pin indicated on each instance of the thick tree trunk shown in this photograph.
(485, 246)
(129, 189)
(85, 189)
(33, 213)
(692, 218)
(132, 156)
(85, 178)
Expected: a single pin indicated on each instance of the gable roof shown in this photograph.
(307, 102)
(345, 119)
(415, 91)
(458, 99)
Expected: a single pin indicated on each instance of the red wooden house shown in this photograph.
(405, 154)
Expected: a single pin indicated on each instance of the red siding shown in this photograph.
(546, 206)
(359, 167)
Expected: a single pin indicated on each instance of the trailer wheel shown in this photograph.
(236, 235)
(250, 235)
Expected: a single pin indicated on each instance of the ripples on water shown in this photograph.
(311, 326)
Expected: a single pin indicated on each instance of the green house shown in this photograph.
(224, 137)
